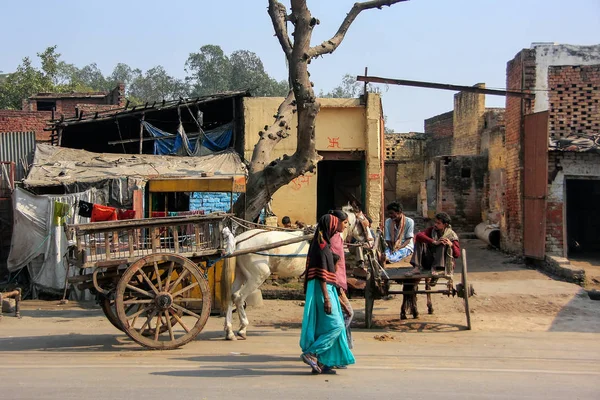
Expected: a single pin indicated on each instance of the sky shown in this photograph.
(450, 41)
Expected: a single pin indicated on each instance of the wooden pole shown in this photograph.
(270, 245)
(142, 132)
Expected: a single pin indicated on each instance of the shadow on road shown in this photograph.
(235, 372)
(580, 314)
(72, 342)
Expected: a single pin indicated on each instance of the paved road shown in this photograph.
(100, 363)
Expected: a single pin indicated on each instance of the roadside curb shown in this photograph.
(561, 267)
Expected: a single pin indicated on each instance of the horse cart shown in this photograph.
(150, 275)
(381, 282)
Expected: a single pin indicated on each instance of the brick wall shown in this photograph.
(469, 110)
(561, 166)
(461, 188)
(408, 151)
(441, 125)
(493, 199)
(26, 121)
(573, 100)
(520, 74)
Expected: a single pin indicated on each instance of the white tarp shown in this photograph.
(54, 165)
(37, 243)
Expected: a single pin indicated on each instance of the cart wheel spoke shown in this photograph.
(183, 325)
(147, 322)
(157, 329)
(139, 311)
(148, 281)
(186, 311)
(169, 325)
(169, 273)
(179, 279)
(142, 291)
(185, 289)
(156, 272)
(147, 301)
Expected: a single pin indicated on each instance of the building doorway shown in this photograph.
(339, 182)
(583, 221)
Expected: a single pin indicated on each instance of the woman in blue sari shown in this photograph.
(323, 338)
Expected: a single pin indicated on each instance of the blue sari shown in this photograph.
(323, 335)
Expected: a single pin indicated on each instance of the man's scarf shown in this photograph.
(400, 231)
(447, 234)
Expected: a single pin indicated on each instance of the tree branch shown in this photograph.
(279, 18)
(330, 45)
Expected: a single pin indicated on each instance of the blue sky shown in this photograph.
(451, 41)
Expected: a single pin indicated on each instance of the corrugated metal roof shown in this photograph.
(18, 147)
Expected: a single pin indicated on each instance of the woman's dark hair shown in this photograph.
(395, 206)
(336, 258)
(445, 218)
(341, 215)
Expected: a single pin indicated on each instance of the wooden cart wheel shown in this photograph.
(369, 294)
(162, 317)
(466, 288)
(107, 304)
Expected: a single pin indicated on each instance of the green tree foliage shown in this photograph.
(211, 71)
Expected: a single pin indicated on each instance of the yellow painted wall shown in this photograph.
(341, 126)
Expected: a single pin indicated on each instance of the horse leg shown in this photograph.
(260, 274)
(429, 304)
(237, 284)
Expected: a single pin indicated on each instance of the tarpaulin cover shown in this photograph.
(37, 243)
(211, 141)
(58, 166)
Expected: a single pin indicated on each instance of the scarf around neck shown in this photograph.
(319, 262)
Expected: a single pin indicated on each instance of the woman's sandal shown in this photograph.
(325, 370)
(308, 360)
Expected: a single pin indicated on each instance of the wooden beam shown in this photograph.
(445, 86)
(270, 246)
(142, 131)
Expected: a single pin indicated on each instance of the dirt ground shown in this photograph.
(509, 298)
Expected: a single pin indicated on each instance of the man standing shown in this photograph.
(436, 247)
(398, 234)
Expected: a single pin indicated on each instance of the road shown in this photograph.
(100, 363)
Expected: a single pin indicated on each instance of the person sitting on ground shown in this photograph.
(436, 247)
(398, 234)
(286, 222)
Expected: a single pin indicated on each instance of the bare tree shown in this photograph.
(266, 175)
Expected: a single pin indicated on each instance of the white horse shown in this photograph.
(288, 261)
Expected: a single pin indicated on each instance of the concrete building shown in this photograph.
(349, 135)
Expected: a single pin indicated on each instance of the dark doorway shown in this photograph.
(391, 170)
(583, 220)
(339, 182)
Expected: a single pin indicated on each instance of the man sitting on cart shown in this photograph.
(435, 247)
(398, 234)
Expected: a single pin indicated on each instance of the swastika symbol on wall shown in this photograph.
(334, 143)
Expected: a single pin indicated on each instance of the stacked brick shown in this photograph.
(26, 121)
(520, 74)
(573, 100)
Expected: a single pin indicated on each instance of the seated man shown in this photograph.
(398, 234)
(286, 222)
(435, 247)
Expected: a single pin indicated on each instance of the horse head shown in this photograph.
(358, 225)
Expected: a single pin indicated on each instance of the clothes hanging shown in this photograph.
(61, 211)
(125, 214)
(103, 213)
(85, 209)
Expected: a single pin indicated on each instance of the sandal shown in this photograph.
(308, 360)
(326, 371)
(414, 271)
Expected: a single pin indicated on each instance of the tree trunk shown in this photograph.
(266, 176)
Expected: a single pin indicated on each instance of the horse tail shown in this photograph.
(227, 275)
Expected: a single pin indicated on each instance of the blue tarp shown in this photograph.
(215, 140)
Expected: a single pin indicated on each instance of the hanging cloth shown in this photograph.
(103, 213)
(85, 209)
(61, 211)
